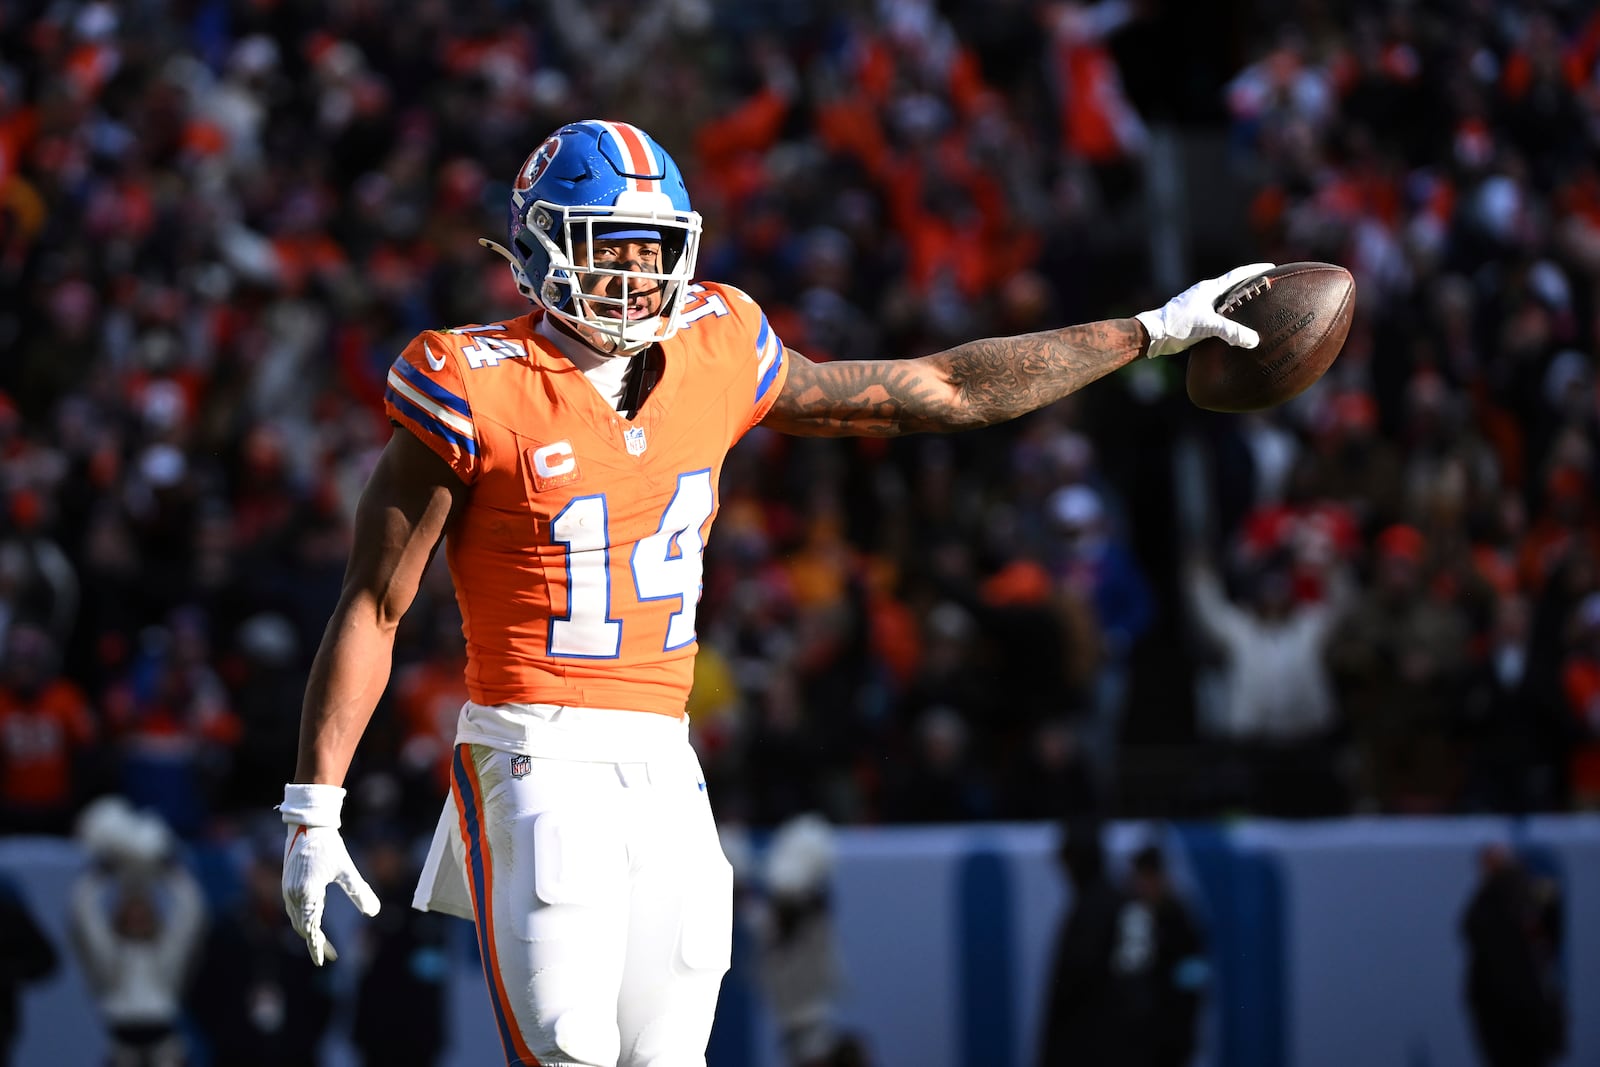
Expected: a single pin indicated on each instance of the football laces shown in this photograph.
(1245, 292)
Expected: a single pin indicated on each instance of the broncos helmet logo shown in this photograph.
(534, 166)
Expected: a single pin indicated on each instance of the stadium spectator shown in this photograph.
(1054, 776)
(26, 956)
(38, 583)
(1353, 465)
(1514, 726)
(797, 952)
(1080, 1022)
(1095, 567)
(937, 783)
(1160, 970)
(46, 730)
(400, 997)
(1511, 927)
(173, 722)
(945, 674)
(1400, 656)
(1276, 703)
(786, 767)
(256, 996)
(1034, 652)
(137, 919)
(262, 675)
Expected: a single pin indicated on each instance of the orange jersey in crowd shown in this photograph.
(577, 560)
(37, 739)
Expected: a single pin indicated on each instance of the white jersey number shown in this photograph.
(588, 630)
(698, 304)
(666, 565)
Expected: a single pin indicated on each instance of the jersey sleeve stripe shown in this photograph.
(761, 337)
(461, 425)
(423, 384)
(766, 352)
(430, 423)
(772, 364)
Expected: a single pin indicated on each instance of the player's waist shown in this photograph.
(659, 684)
(565, 731)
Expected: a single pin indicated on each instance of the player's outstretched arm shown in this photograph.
(404, 510)
(984, 382)
(976, 384)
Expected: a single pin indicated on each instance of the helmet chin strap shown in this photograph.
(620, 349)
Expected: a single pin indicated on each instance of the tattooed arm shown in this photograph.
(984, 382)
(976, 384)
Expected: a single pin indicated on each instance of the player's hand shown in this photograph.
(1192, 316)
(314, 856)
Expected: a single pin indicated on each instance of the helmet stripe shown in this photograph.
(636, 154)
(647, 157)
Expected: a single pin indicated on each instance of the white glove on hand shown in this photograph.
(313, 856)
(1192, 316)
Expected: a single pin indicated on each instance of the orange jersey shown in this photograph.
(577, 559)
(37, 740)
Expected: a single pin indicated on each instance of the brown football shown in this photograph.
(1302, 312)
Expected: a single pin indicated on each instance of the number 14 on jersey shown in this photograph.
(666, 565)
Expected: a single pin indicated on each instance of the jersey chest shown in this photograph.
(558, 452)
(600, 518)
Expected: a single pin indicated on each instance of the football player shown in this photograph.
(568, 459)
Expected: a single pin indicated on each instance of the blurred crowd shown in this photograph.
(187, 960)
(221, 220)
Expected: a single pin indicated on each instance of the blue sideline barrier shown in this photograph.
(1332, 943)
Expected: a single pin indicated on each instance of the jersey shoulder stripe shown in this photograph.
(448, 419)
(430, 423)
(414, 376)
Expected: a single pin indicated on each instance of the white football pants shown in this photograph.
(603, 902)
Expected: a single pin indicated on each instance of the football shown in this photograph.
(1302, 312)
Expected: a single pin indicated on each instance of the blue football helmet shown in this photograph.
(596, 180)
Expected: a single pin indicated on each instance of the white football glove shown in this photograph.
(313, 856)
(1191, 316)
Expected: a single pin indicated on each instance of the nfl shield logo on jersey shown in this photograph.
(520, 766)
(633, 437)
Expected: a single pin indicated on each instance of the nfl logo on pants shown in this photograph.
(520, 766)
(633, 437)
